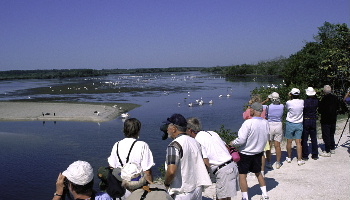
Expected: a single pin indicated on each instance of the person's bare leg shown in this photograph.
(299, 148)
(243, 182)
(261, 179)
(289, 148)
(263, 163)
(278, 151)
(268, 153)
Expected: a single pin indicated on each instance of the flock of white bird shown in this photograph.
(200, 101)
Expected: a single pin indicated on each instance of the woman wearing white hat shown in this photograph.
(294, 124)
(274, 114)
(309, 124)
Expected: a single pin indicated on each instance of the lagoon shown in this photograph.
(34, 152)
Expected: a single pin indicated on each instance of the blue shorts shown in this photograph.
(293, 130)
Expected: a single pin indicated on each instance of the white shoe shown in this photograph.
(264, 198)
(325, 154)
(278, 165)
(332, 151)
(289, 160)
(301, 162)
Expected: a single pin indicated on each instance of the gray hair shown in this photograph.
(327, 89)
(194, 124)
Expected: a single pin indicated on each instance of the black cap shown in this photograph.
(177, 119)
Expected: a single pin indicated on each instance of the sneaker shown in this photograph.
(278, 165)
(289, 160)
(315, 158)
(332, 151)
(305, 159)
(301, 162)
(264, 197)
(325, 154)
(269, 165)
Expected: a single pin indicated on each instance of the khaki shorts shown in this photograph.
(227, 182)
(276, 131)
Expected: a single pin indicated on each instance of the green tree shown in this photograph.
(324, 61)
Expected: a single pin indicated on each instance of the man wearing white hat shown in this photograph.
(80, 178)
(309, 124)
(294, 124)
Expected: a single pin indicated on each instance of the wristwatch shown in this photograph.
(55, 194)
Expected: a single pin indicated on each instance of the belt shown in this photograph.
(222, 165)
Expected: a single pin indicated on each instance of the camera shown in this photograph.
(164, 129)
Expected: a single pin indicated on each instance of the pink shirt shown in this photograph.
(246, 114)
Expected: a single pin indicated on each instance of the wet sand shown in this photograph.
(30, 111)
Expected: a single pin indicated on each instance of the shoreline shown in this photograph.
(62, 111)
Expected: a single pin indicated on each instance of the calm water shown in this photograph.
(33, 153)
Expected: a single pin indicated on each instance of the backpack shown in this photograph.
(151, 192)
(109, 180)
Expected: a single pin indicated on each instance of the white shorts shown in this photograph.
(276, 131)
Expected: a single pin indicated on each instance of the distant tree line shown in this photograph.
(70, 73)
(272, 67)
(323, 61)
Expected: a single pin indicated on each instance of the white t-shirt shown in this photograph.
(213, 147)
(295, 109)
(140, 154)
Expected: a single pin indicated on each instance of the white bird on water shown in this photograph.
(124, 115)
(190, 104)
(201, 102)
(220, 95)
(211, 102)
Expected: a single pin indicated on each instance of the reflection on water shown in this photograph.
(33, 153)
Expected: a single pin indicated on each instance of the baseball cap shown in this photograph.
(177, 119)
(274, 95)
(79, 172)
(295, 91)
(257, 106)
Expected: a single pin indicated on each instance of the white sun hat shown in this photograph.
(79, 172)
(274, 95)
(310, 91)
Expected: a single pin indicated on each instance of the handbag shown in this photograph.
(234, 153)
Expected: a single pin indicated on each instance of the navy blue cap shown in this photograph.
(177, 119)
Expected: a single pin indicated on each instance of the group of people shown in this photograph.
(196, 158)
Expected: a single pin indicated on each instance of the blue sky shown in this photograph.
(106, 34)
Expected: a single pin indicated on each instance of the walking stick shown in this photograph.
(343, 129)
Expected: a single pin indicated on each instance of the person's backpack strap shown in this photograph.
(120, 160)
(143, 196)
(178, 146)
(127, 158)
(209, 133)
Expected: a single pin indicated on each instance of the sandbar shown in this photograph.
(31, 111)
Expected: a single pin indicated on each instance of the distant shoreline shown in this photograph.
(65, 111)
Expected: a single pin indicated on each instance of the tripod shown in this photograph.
(344, 127)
